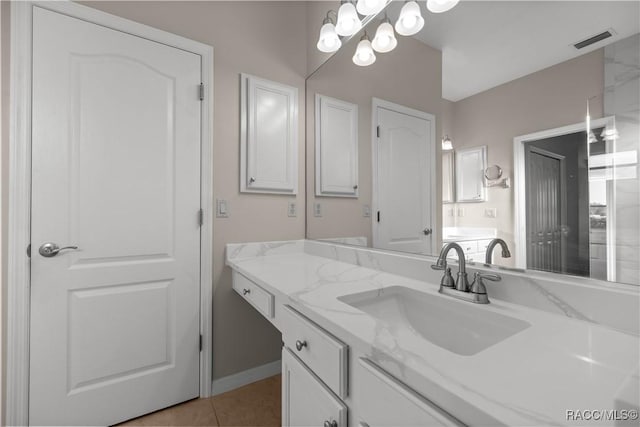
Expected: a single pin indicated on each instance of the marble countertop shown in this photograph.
(534, 377)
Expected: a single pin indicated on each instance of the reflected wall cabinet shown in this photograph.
(469, 172)
(336, 147)
(268, 136)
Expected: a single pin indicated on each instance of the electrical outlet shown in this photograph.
(292, 210)
(317, 210)
(491, 213)
(222, 208)
(366, 211)
(460, 212)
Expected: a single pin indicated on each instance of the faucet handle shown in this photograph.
(478, 287)
(488, 276)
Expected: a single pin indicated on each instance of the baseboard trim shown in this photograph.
(231, 382)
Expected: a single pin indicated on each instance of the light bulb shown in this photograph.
(348, 22)
(410, 20)
(370, 7)
(329, 40)
(439, 6)
(364, 53)
(385, 39)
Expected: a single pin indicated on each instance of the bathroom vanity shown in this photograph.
(369, 341)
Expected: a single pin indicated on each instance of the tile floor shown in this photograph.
(254, 405)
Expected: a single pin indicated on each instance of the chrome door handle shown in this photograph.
(427, 231)
(49, 250)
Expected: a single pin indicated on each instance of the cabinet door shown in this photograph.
(306, 401)
(336, 147)
(383, 401)
(469, 169)
(269, 137)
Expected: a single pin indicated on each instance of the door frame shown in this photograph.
(18, 265)
(519, 188)
(381, 103)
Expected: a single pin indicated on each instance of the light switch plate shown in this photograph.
(292, 209)
(491, 213)
(366, 211)
(450, 212)
(317, 210)
(460, 212)
(222, 208)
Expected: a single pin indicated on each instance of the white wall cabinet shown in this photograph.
(469, 172)
(336, 147)
(306, 401)
(269, 137)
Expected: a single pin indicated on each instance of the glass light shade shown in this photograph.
(410, 20)
(447, 145)
(609, 134)
(348, 22)
(329, 40)
(385, 39)
(364, 53)
(370, 7)
(439, 6)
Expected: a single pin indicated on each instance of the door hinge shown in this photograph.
(201, 91)
(378, 216)
(29, 250)
(200, 342)
(201, 217)
(378, 131)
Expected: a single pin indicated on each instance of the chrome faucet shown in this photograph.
(476, 293)
(462, 282)
(491, 245)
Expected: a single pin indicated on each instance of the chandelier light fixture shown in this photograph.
(439, 6)
(329, 40)
(364, 52)
(370, 7)
(385, 39)
(410, 21)
(348, 23)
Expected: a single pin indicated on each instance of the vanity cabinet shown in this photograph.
(306, 401)
(474, 250)
(402, 406)
(260, 299)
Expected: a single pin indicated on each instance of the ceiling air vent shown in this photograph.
(594, 39)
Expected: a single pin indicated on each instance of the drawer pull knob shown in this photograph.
(333, 423)
(246, 291)
(300, 345)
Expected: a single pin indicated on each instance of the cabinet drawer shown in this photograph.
(324, 354)
(373, 385)
(469, 246)
(254, 294)
(483, 244)
(306, 401)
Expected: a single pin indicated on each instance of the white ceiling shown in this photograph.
(487, 43)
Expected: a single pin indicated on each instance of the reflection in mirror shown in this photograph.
(561, 129)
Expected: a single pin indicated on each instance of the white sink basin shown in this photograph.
(460, 327)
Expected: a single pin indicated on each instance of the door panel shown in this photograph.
(404, 182)
(116, 172)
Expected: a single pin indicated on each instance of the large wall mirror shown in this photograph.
(544, 96)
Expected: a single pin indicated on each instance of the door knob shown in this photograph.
(49, 250)
(427, 231)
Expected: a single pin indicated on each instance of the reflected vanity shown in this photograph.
(545, 146)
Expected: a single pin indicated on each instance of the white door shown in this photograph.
(115, 172)
(306, 401)
(404, 185)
